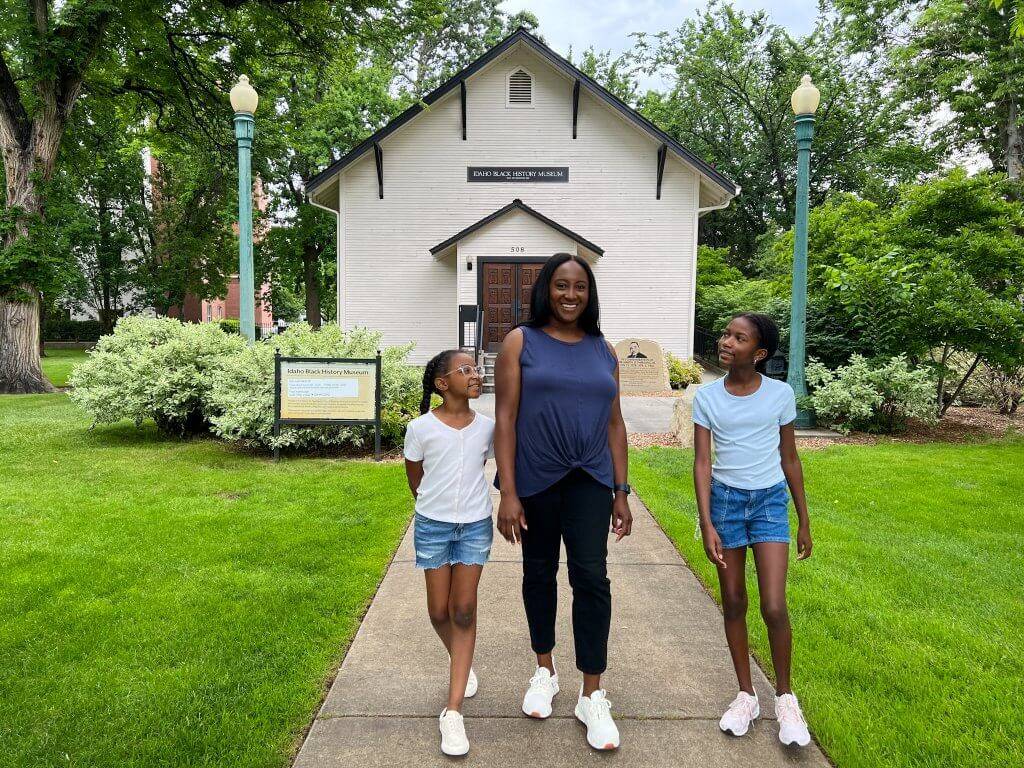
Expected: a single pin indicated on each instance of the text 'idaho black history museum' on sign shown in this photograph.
(516, 174)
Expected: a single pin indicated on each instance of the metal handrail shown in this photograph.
(478, 335)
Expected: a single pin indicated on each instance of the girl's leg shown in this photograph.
(732, 580)
(462, 629)
(772, 560)
(438, 590)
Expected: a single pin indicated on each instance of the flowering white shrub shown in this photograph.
(153, 368)
(871, 398)
(241, 401)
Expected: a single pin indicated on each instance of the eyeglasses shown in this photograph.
(465, 370)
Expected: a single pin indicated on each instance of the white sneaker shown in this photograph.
(453, 733)
(792, 726)
(543, 687)
(595, 712)
(744, 710)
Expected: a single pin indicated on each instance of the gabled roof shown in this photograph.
(524, 37)
(516, 204)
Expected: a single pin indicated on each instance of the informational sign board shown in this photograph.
(310, 391)
(642, 366)
(505, 173)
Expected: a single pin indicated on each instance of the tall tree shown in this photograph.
(730, 77)
(958, 63)
(173, 58)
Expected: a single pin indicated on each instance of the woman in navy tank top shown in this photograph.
(560, 445)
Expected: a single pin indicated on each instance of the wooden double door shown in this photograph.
(505, 296)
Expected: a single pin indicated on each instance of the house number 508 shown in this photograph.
(518, 249)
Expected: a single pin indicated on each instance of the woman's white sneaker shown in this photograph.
(471, 684)
(792, 726)
(744, 710)
(543, 687)
(453, 733)
(595, 712)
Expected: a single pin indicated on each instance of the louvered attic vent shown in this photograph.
(520, 89)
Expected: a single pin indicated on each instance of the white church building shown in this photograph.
(446, 214)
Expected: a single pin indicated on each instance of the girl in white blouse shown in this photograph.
(445, 453)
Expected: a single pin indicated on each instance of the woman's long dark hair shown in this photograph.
(540, 296)
(438, 364)
(767, 335)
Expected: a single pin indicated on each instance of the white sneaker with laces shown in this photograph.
(792, 726)
(453, 733)
(471, 684)
(744, 710)
(595, 712)
(543, 687)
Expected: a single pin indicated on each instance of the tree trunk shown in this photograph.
(311, 270)
(20, 371)
(959, 387)
(942, 378)
(1014, 142)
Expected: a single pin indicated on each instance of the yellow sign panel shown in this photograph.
(329, 390)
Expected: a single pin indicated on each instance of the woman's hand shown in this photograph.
(803, 541)
(712, 545)
(622, 518)
(511, 519)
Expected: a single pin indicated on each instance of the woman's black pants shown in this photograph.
(578, 510)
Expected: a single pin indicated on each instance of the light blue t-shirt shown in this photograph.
(746, 431)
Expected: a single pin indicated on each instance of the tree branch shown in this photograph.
(13, 117)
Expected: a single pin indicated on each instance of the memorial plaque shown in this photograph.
(642, 366)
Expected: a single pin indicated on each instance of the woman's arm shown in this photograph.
(414, 473)
(622, 518)
(702, 489)
(507, 384)
(794, 472)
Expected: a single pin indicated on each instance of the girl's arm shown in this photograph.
(414, 473)
(622, 518)
(702, 489)
(507, 385)
(795, 477)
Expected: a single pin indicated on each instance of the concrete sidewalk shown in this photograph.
(669, 675)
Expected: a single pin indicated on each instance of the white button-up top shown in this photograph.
(454, 488)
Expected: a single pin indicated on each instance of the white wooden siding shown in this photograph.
(389, 279)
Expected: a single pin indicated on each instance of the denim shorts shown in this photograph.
(744, 517)
(439, 543)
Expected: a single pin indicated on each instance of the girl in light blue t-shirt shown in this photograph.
(742, 502)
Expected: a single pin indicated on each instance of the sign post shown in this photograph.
(313, 391)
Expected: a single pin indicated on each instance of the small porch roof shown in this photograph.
(442, 248)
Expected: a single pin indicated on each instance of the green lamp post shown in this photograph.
(805, 101)
(244, 100)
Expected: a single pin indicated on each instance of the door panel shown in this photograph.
(506, 298)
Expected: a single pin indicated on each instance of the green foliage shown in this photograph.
(62, 329)
(229, 325)
(241, 400)
(731, 74)
(154, 368)
(682, 373)
(713, 268)
(871, 397)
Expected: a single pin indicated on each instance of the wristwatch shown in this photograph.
(624, 487)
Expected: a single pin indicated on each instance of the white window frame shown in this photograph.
(508, 88)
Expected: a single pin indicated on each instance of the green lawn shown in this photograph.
(174, 604)
(908, 619)
(58, 363)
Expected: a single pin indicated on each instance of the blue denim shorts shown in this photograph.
(744, 517)
(439, 543)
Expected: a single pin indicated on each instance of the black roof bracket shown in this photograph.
(662, 153)
(378, 157)
(575, 105)
(462, 93)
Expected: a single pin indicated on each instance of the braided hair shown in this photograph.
(438, 362)
(767, 335)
